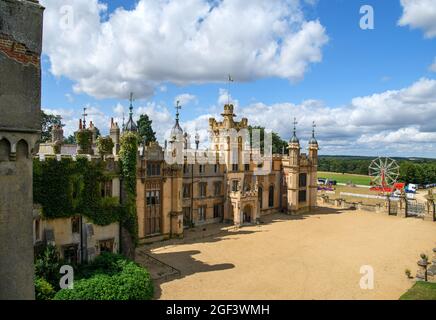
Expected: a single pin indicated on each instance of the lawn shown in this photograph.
(346, 178)
(421, 291)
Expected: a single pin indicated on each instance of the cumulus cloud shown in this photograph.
(432, 67)
(380, 123)
(395, 122)
(185, 99)
(183, 42)
(419, 14)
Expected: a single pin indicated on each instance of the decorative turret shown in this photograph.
(312, 141)
(114, 132)
(131, 125)
(294, 146)
(177, 131)
(84, 137)
(57, 133)
(294, 139)
(57, 138)
(313, 147)
(94, 131)
(197, 141)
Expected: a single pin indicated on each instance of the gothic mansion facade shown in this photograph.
(171, 198)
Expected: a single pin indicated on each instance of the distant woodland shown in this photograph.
(420, 171)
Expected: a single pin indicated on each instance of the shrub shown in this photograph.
(110, 277)
(43, 289)
(47, 266)
(106, 263)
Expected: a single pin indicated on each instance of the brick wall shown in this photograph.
(18, 51)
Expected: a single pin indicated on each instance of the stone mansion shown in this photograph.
(173, 197)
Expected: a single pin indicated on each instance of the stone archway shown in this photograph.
(247, 214)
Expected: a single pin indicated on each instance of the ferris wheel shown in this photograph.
(384, 172)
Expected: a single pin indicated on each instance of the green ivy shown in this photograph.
(67, 188)
(84, 140)
(128, 160)
(105, 145)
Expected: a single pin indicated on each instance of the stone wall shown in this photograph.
(20, 103)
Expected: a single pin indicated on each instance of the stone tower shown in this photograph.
(300, 173)
(293, 171)
(115, 136)
(20, 105)
(313, 176)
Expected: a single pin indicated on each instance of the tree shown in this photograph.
(70, 140)
(145, 129)
(278, 145)
(47, 123)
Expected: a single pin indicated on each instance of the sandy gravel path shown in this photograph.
(312, 257)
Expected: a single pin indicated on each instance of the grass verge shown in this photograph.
(421, 291)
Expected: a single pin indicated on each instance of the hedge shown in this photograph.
(111, 278)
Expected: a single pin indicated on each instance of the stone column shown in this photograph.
(430, 214)
(431, 272)
(20, 105)
(422, 271)
(402, 207)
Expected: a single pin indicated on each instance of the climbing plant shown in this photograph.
(105, 145)
(67, 188)
(84, 140)
(128, 159)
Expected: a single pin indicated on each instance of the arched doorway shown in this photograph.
(246, 214)
(271, 197)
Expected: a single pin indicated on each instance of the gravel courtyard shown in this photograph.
(316, 256)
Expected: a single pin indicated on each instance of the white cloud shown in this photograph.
(184, 42)
(383, 122)
(186, 99)
(420, 14)
(69, 97)
(119, 109)
(396, 122)
(432, 68)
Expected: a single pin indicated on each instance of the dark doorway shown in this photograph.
(247, 214)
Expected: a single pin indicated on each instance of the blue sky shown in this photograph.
(344, 62)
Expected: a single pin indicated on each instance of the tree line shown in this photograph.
(418, 171)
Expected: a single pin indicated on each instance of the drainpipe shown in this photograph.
(192, 195)
(82, 252)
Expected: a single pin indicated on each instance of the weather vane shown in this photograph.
(131, 101)
(84, 117)
(228, 89)
(178, 107)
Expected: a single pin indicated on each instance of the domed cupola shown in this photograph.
(131, 125)
(294, 138)
(312, 141)
(177, 131)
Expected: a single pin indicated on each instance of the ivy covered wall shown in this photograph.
(128, 161)
(67, 188)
